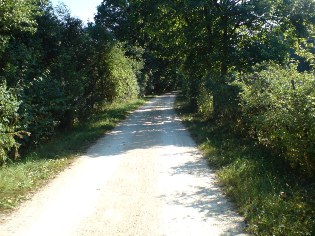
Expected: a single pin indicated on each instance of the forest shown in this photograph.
(245, 64)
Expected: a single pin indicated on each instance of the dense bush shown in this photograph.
(43, 106)
(278, 108)
(121, 78)
(60, 70)
(205, 103)
(8, 122)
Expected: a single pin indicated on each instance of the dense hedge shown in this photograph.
(55, 72)
(8, 121)
(122, 81)
(278, 109)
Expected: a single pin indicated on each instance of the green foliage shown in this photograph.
(16, 16)
(278, 107)
(121, 83)
(194, 39)
(131, 22)
(8, 122)
(42, 109)
(205, 103)
(272, 199)
(62, 71)
(112, 15)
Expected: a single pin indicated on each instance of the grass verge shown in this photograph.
(273, 200)
(19, 179)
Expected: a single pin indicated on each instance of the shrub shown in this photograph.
(9, 106)
(122, 82)
(205, 102)
(278, 108)
(42, 108)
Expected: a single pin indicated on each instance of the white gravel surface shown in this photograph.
(146, 177)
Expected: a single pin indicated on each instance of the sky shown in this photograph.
(83, 9)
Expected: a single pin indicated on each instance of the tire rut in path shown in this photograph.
(146, 177)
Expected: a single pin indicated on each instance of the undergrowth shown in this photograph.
(19, 179)
(273, 200)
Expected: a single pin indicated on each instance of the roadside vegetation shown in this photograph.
(273, 199)
(21, 178)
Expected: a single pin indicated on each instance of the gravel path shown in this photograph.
(146, 177)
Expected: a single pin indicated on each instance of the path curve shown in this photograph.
(146, 177)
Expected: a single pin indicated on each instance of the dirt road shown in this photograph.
(146, 177)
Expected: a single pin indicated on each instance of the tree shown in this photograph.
(17, 16)
(205, 41)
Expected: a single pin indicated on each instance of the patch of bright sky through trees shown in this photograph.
(82, 9)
